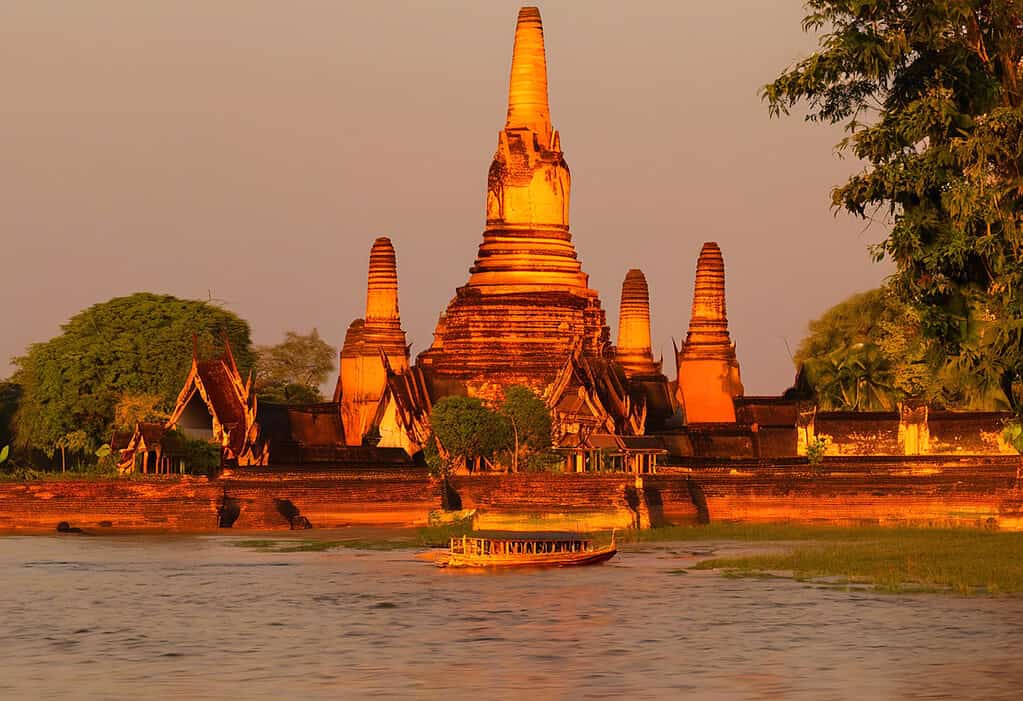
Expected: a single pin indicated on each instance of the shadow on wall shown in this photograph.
(699, 500)
(228, 511)
(647, 504)
(287, 509)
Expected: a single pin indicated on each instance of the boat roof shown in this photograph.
(529, 535)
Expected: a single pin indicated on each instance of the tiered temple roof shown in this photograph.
(215, 404)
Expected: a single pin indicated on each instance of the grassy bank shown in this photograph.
(964, 561)
(398, 539)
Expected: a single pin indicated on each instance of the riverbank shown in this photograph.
(894, 560)
(964, 492)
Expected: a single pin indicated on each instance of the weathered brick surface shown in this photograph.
(185, 504)
(924, 492)
(579, 495)
(975, 491)
(332, 498)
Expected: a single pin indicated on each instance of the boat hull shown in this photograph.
(595, 557)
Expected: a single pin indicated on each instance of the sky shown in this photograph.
(250, 151)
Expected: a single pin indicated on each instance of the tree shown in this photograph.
(135, 407)
(869, 352)
(292, 371)
(141, 344)
(530, 422)
(10, 397)
(852, 378)
(74, 442)
(467, 430)
(930, 94)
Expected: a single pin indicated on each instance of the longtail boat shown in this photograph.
(526, 550)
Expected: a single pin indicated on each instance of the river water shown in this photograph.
(141, 617)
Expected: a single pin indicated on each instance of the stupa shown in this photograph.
(371, 344)
(527, 306)
(708, 371)
(633, 350)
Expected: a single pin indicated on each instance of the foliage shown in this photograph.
(817, 449)
(141, 344)
(530, 423)
(201, 457)
(10, 397)
(292, 371)
(869, 352)
(4, 454)
(73, 442)
(1013, 434)
(135, 407)
(289, 394)
(854, 378)
(467, 431)
(930, 94)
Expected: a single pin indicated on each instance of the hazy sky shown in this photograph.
(251, 151)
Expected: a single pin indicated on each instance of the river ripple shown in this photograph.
(198, 618)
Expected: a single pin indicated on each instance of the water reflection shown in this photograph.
(195, 617)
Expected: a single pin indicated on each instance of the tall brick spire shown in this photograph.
(362, 376)
(708, 325)
(708, 371)
(528, 107)
(633, 350)
(382, 287)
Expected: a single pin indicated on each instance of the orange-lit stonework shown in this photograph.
(527, 304)
(633, 350)
(708, 372)
(362, 377)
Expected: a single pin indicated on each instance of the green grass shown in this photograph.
(315, 546)
(756, 532)
(431, 536)
(440, 536)
(963, 561)
(27, 474)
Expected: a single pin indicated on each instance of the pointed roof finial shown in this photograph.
(527, 91)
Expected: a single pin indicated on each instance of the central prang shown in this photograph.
(527, 305)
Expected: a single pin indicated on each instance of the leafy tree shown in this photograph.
(74, 442)
(853, 378)
(293, 371)
(134, 407)
(869, 352)
(141, 344)
(930, 94)
(201, 457)
(530, 423)
(10, 396)
(467, 430)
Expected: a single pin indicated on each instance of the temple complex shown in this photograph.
(526, 315)
(698, 448)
